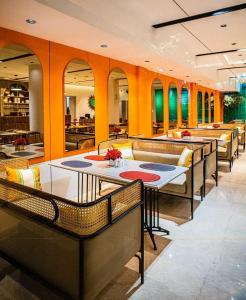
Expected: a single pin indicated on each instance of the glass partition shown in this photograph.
(118, 103)
(206, 104)
(157, 106)
(199, 107)
(21, 103)
(185, 106)
(173, 106)
(79, 106)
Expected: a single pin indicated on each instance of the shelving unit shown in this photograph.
(15, 103)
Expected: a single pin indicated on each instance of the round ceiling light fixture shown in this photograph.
(104, 46)
(170, 70)
(233, 44)
(223, 25)
(146, 61)
(187, 76)
(31, 21)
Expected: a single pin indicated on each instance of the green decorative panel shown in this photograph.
(238, 112)
(173, 105)
(159, 105)
(185, 104)
(212, 108)
(199, 107)
(206, 108)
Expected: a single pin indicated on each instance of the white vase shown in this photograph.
(114, 163)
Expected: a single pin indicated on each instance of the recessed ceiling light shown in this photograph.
(223, 25)
(170, 70)
(147, 61)
(4, 67)
(104, 46)
(240, 55)
(31, 21)
(31, 62)
(1, 61)
(160, 69)
(15, 75)
(187, 76)
(233, 44)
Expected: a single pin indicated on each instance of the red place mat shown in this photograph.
(40, 149)
(146, 177)
(95, 157)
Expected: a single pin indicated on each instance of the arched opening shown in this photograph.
(185, 106)
(173, 106)
(118, 103)
(21, 103)
(199, 107)
(212, 107)
(157, 106)
(79, 106)
(206, 107)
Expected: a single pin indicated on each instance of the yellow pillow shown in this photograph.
(29, 177)
(125, 149)
(177, 134)
(185, 159)
(226, 138)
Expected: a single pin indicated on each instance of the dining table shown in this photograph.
(93, 170)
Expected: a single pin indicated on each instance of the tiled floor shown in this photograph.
(205, 260)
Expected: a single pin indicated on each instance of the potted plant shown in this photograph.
(19, 144)
(113, 156)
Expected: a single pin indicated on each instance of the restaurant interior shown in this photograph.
(122, 150)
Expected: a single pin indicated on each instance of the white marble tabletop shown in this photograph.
(102, 169)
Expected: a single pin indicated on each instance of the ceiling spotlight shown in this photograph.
(223, 25)
(31, 21)
(170, 70)
(31, 62)
(147, 61)
(233, 44)
(15, 75)
(187, 76)
(104, 46)
(240, 55)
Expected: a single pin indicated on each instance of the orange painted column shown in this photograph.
(217, 106)
(166, 105)
(193, 105)
(203, 107)
(144, 102)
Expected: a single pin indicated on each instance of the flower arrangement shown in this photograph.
(116, 130)
(113, 154)
(185, 133)
(19, 141)
(216, 126)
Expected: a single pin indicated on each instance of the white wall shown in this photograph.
(82, 94)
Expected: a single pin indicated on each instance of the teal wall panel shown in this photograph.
(159, 105)
(206, 108)
(173, 105)
(185, 104)
(199, 107)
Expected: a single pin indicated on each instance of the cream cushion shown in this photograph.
(185, 158)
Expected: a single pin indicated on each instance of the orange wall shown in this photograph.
(54, 58)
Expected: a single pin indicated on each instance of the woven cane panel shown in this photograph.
(158, 147)
(38, 206)
(125, 199)
(83, 220)
(33, 204)
(197, 155)
(11, 195)
(14, 163)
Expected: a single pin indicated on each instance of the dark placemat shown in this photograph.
(76, 164)
(146, 177)
(23, 153)
(157, 167)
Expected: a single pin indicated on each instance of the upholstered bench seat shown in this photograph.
(165, 158)
(178, 184)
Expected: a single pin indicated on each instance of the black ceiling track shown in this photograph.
(80, 70)
(17, 57)
(218, 52)
(213, 13)
(231, 68)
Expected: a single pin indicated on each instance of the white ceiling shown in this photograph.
(125, 26)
